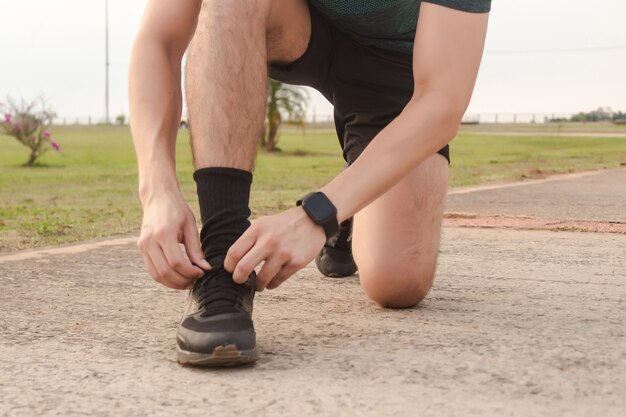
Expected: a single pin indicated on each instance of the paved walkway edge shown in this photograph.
(66, 249)
(531, 223)
(557, 177)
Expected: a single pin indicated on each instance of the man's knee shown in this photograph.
(399, 286)
(286, 23)
(288, 30)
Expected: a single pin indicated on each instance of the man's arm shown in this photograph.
(155, 105)
(447, 54)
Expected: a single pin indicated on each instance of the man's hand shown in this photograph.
(287, 242)
(167, 222)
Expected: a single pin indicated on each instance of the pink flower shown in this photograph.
(55, 146)
(46, 134)
(7, 118)
(16, 126)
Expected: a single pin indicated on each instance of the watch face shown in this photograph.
(320, 208)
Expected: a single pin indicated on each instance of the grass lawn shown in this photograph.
(89, 190)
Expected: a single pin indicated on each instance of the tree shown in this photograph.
(619, 117)
(284, 103)
(29, 123)
(602, 114)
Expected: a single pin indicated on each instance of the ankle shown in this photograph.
(223, 195)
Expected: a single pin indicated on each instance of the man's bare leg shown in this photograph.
(396, 238)
(226, 82)
(227, 93)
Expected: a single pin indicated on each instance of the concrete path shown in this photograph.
(519, 323)
(589, 202)
(596, 196)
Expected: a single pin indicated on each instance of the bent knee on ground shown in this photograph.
(397, 286)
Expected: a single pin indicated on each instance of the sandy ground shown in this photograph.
(519, 323)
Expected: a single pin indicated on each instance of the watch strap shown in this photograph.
(331, 228)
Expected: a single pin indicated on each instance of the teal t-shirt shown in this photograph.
(387, 24)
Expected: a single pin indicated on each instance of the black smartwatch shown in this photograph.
(320, 209)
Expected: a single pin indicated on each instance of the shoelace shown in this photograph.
(218, 293)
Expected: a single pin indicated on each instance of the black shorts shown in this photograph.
(368, 86)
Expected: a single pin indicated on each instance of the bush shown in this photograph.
(29, 123)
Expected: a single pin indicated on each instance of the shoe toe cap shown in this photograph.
(198, 334)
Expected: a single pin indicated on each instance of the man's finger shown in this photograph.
(281, 277)
(268, 271)
(164, 274)
(237, 251)
(154, 274)
(149, 265)
(248, 262)
(177, 261)
(191, 240)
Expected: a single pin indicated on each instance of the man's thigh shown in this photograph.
(288, 30)
(313, 59)
(396, 237)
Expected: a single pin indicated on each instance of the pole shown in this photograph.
(106, 61)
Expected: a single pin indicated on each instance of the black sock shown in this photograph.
(224, 195)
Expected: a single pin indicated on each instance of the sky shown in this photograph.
(556, 56)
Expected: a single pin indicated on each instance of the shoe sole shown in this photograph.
(335, 275)
(227, 355)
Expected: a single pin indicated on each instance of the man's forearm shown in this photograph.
(155, 106)
(426, 125)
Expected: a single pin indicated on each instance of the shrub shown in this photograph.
(29, 123)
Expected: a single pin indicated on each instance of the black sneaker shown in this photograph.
(216, 328)
(335, 259)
